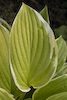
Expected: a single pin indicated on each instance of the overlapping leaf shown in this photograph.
(5, 24)
(63, 70)
(44, 13)
(60, 96)
(56, 85)
(15, 91)
(5, 81)
(62, 51)
(4, 95)
(33, 50)
(21, 96)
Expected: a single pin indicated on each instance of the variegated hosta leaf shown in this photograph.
(5, 24)
(44, 13)
(15, 91)
(5, 81)
(56, 85)
(63, 70)
(60, 96)
(4, 95)
(62, 51)
(33, 50)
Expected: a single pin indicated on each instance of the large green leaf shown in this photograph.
(33, 50)
(62, 51)
(55, 86)
(44, 13)
(5, 81)
(4, 95)
(60, 96)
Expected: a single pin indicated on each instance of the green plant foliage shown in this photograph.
(63, 70)
(62, 51)
(21, 96)
(33, 50)
(5, 24)
(44, 13)
(4, 95)
(62, 30)
(28, 99)
(60, 96)
(15, 91)
(5, 81)
(56, 85)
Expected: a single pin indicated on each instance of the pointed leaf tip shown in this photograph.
(33, 50)
(44, 13)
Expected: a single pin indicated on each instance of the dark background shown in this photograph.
(57, 10)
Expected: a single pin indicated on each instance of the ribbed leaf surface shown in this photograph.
(4, 95)
(62, 51)
(60, 96)
(56, 85)
(63, 70)
(5, 81)
(33, 50)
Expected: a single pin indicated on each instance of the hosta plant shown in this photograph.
(32, 62)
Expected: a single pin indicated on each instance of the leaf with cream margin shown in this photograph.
(63, 70)
(5, 24)
(4, 95)
(62, 51)
(44, 13)
(15, 91)
(56, 85)
(60, 96)
(5, 81)
(33, 50)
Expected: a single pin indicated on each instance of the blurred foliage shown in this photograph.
(62, 30)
